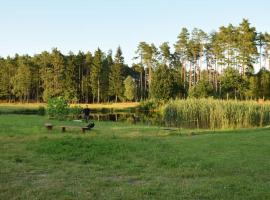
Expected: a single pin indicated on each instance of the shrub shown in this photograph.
(151, 105)
(57, 108)
(75, 112)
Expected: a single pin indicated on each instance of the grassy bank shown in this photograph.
(94, 106)
(39, 108)
(123, 161)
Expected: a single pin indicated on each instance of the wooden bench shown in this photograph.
(83, 129)
(64, 128)
(48, 126)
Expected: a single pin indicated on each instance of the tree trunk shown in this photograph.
(98, 92)
(141, 84)
(190, 75)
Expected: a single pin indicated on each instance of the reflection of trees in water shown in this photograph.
(151, 118)
(146, 118)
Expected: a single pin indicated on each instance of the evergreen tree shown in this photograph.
(248, 51)
(95, 74)
(70, 90)
(21, 82)
(116, 77)
(233, 84)
(4, 80)
(53, 74)
(182, 52)
(163, 85)
(264, 76)
(148, 55)
(86, 81)
(203, 88)
(165, 53)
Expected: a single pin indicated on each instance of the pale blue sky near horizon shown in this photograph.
(32, 26)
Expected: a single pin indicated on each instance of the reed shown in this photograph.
(215, 114)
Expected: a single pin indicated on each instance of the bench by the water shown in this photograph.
(48, 126)
(64, 128)
(83, 129)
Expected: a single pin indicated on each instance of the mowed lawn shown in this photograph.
(124, 161)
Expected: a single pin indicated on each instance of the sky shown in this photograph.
(32, 26)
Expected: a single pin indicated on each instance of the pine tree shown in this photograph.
(53, 67)
(248, 51)
(116, 77)
(163, 85)
(21, 82)
(182, 49)
(165, 53)
(95, 74)
(70, 90)
(86, 81)
(4, 82)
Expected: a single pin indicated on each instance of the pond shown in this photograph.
(132, 116)
(138, 117)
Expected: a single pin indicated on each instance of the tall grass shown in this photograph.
(210, 113)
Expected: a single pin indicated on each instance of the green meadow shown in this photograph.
(125, 161)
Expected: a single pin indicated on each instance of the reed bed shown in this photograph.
(215, 114)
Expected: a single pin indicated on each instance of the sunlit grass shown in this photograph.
(126, 161)
(124, 105)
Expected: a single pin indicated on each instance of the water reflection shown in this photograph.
(139, 117)
(149, 118)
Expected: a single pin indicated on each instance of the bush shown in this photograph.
(57, 108)
(75, 112)
(151, 105)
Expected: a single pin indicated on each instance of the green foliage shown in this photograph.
(233, 83)
(75, 111)
(227, 55)
(130, 88)
(151, 105)
(57, 108)
(21, 81)
(209, 113)
(116, 77)
(163, 85)
(98, 75)
(202, 89)
(53, 73)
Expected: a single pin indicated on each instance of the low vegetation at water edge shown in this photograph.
(214, 114)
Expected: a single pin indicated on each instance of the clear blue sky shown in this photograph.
(31, 26)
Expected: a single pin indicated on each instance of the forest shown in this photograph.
(230, 63)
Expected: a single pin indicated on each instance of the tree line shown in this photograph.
(218, 64)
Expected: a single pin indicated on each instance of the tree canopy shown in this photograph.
(220, 64)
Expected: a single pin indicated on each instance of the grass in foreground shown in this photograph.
(122, 161)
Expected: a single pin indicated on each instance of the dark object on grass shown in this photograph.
(88, 127)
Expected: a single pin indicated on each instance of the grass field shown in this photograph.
(123, 161)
